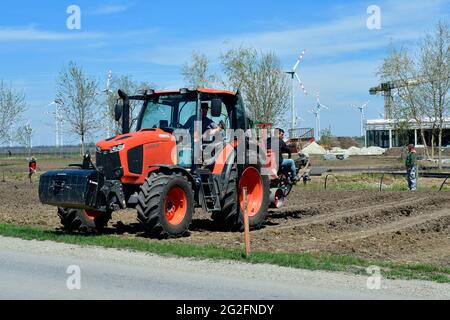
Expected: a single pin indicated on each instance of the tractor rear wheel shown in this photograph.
(232, 215)
(165, 205)
(83, 220)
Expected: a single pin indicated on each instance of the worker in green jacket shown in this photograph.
(411, 167)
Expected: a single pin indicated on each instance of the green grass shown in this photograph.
(295, 260)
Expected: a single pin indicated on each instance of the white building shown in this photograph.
(384, 133)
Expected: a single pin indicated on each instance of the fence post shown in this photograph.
(326, 179)
(246, 224)
(442, 185)
(381, 182)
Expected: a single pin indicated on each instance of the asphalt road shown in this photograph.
(38, 270)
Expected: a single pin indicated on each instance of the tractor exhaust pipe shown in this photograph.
(122, 110)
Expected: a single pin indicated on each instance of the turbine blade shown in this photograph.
(301, 84)
(300, 58)
(365, 104)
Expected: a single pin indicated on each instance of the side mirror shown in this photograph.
(216, 107)
(118, 109)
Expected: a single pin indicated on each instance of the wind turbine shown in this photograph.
(108, 91)
(29, 137)
(293, 75)
(58, 121)
(319, 107)
(361, 110)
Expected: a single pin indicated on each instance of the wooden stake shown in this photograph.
(246, 224)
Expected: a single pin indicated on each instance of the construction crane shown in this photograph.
(387, 87)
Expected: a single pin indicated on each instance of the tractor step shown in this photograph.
(209, 191)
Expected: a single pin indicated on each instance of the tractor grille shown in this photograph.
(109, 165)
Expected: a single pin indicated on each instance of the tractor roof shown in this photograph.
(204, 90)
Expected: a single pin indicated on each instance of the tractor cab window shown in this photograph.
(224, 117)
(187, 111)
(168, 111)
(156, 115)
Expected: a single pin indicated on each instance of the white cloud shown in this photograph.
(110, 9)
(32, 34)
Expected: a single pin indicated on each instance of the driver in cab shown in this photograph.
(207, 123)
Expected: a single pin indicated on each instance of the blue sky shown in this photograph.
(150, 40)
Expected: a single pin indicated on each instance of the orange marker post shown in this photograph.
(246, 224)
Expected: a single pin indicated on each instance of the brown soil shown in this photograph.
(392, 226)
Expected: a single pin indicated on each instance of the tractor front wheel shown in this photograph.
(165, 205)
(83, 220)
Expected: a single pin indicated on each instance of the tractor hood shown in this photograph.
(134, 139)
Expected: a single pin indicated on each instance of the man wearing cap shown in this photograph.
(207, 123)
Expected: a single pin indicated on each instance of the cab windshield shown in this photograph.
(168, 111)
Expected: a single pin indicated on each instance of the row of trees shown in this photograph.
(423, 78)
(80, 97)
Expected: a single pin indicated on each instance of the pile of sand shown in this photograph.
(370, 151)
(313, 148)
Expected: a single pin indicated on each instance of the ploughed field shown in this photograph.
(386, 225)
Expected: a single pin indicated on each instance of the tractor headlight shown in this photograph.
(117, 148)
(98, 149)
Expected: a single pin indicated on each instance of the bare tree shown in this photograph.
(78, 94)
(128, 85)
(196, 73)
(435, 65)
(24, 136)
(400, 67)
(426, 100)
(12, 105)
(259, 76)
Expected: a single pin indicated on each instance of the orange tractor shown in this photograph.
(150, 171)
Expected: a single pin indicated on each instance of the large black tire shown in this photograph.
(231, 217)
(228, 217)
(80, 220)
(156, 200)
